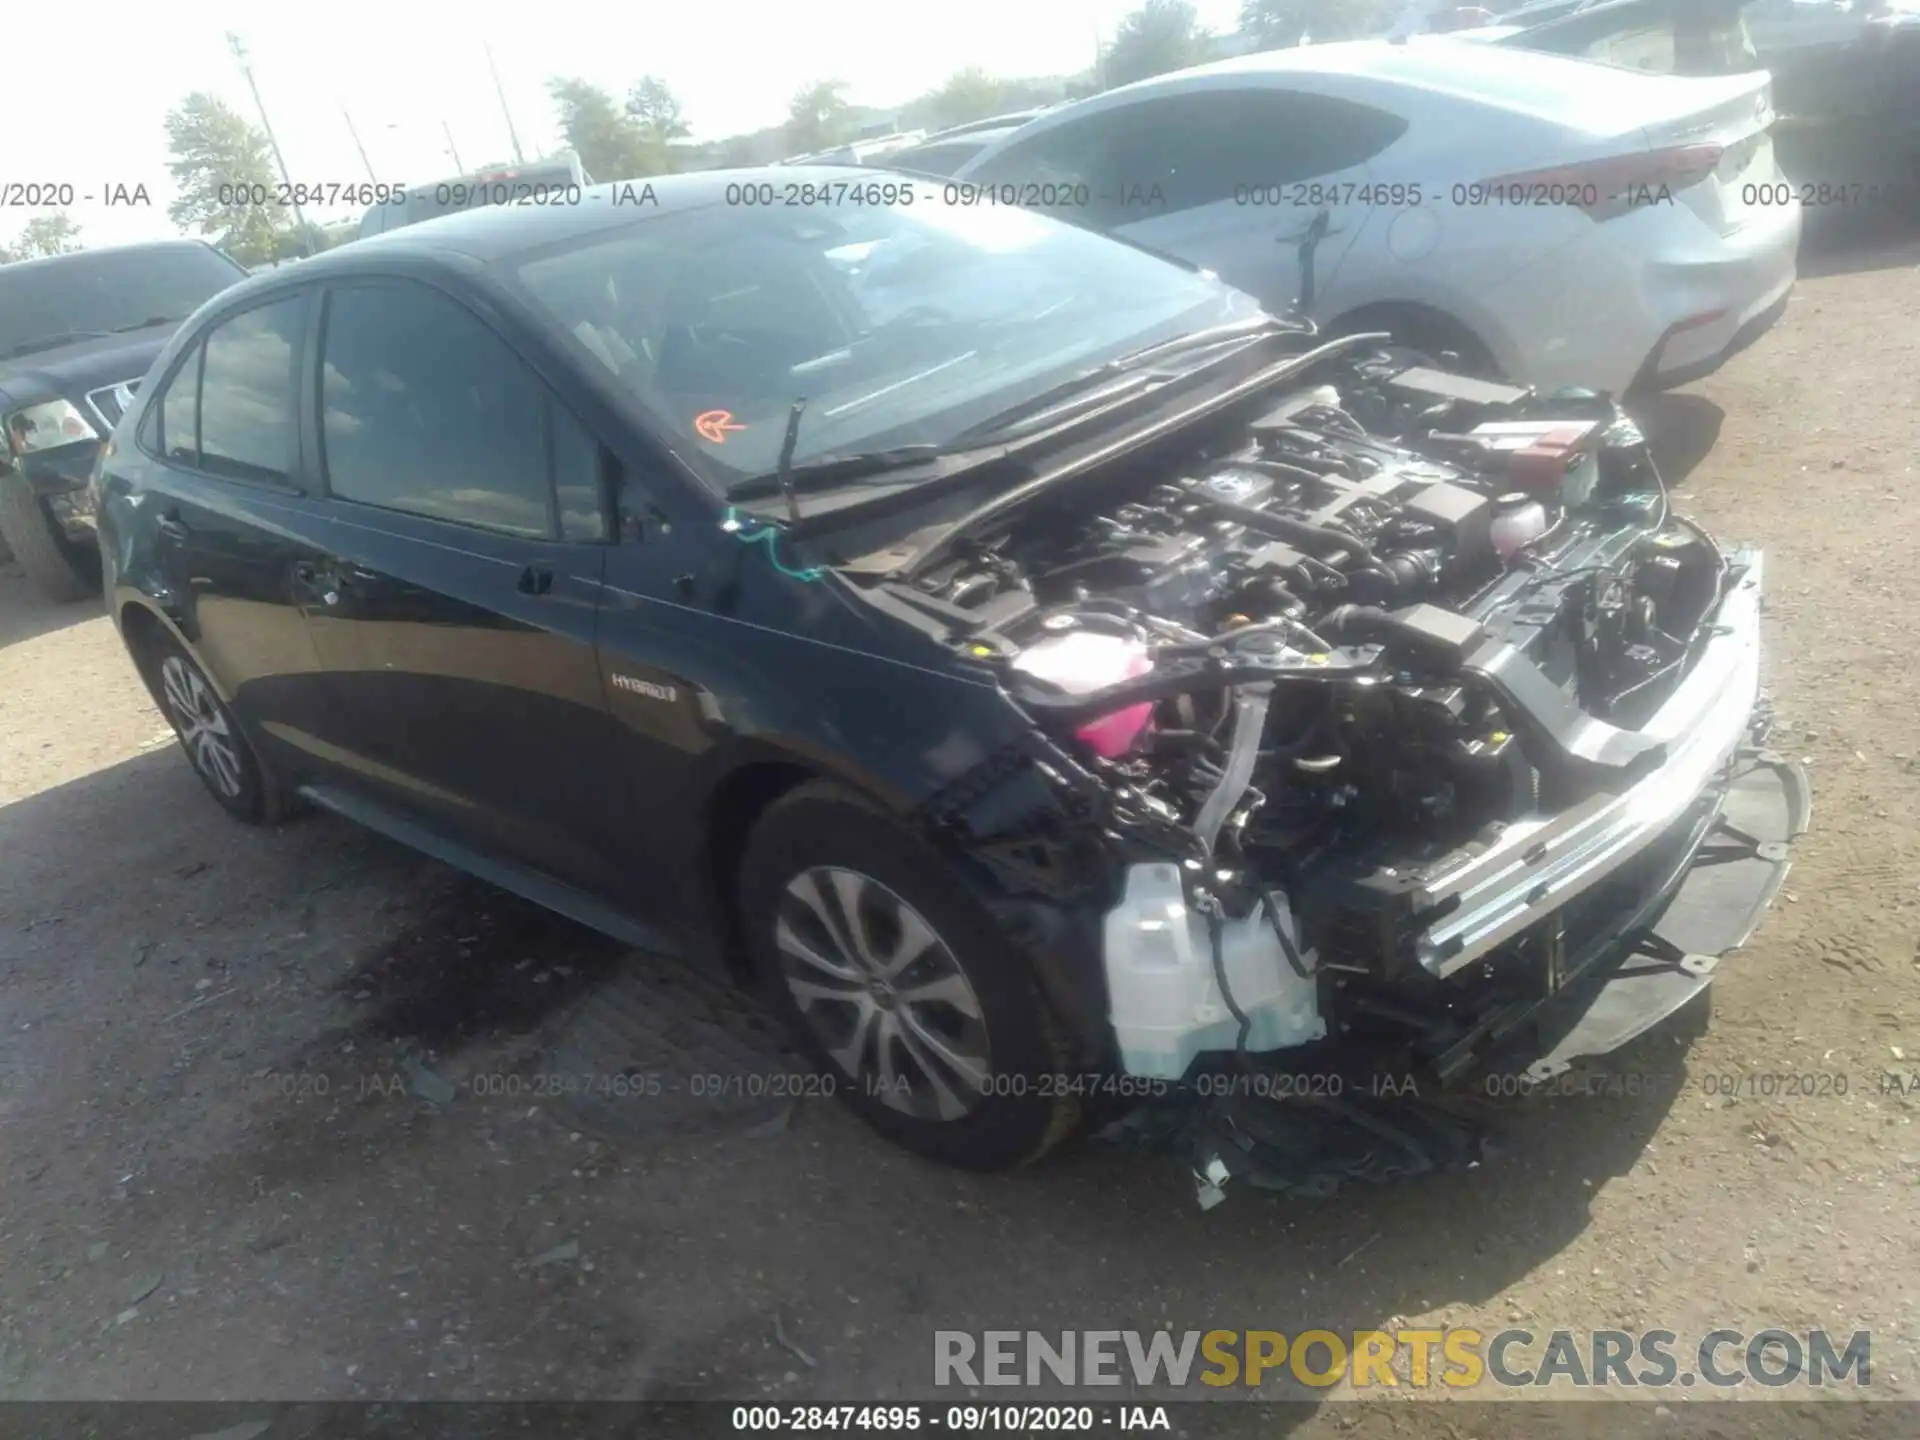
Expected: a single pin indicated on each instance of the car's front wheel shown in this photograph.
(899, 984)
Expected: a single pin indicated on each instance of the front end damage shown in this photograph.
(1423, 741)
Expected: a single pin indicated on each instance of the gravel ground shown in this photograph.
(257, 1141)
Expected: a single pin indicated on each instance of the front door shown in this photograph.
(456, 612)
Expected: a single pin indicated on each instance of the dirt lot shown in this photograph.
(252, 1150)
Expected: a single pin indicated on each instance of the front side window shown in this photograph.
(899, 324)
(427, 411)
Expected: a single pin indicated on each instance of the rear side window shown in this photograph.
(180, 413)
(229, 408)
(247, 385)
(1178, 152)
(1206, 147)
(426, 411)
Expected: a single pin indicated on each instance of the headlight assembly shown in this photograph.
(43, 426)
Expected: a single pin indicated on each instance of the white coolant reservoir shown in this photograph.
(1166, 1004)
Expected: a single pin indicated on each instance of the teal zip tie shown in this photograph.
(769, 536)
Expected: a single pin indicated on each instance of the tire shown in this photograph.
(57, 566)
(215, 743)
(822, 854)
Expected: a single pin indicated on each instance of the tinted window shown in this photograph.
(941, 159)
(576, 479)
(45, 303)
(1069, 163)
(1199, 149)
(179, 418)
(425, 410)
(246, 390)
(1181, 151)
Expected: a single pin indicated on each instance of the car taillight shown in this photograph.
(1609, 187)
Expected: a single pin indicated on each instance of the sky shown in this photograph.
(402, 67)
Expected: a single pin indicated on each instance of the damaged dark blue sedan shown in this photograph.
(1068, 688)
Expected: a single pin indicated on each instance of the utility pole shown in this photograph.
(452, 149)
(240, 54)
(498, 89)
(348, 114)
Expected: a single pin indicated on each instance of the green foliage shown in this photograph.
(1161, 35)
(657, 110)
(54, 234)
(818, 117)
(1277, 24)
(612, 144)
(210, 146)
(969, 94)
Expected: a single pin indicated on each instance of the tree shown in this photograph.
(54, 234)
(970, 94)
(611, 143)
(1161, 35)
(1278, 24)
(656, 109)
(819, 117)
(220, 165)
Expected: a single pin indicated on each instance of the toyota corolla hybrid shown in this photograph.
(1052, 676)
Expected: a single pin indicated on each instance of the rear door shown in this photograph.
(233, 528)
(459, 604)
(1264, 187)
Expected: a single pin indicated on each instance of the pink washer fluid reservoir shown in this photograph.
(1083, 661)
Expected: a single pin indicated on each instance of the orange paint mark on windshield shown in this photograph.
(715, 425)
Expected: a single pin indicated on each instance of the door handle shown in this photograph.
(172, 526)
(318, 584)
(536, 579)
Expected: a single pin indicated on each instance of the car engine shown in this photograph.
(1337, 649)
(1355, 573)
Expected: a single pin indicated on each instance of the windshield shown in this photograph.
(106, 291)
(900, 325)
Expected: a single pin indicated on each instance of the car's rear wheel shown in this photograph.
(899, 984)
(216, 746)
(62, 570)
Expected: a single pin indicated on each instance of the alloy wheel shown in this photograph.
(203, 727)
(883, 994)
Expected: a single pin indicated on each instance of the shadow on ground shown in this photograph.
(1681, 431)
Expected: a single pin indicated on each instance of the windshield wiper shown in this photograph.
(829, 470)
(1125, 371)
(48, 342)
(150, 321)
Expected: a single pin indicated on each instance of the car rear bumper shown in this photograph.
(1711, 300)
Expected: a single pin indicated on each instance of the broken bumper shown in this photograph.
(1539, 865)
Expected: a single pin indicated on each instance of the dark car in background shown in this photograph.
(552, 181)
(77, 332)
(1053, 676)
(1830, 59)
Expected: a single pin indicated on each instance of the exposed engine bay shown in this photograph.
(1409, 704)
